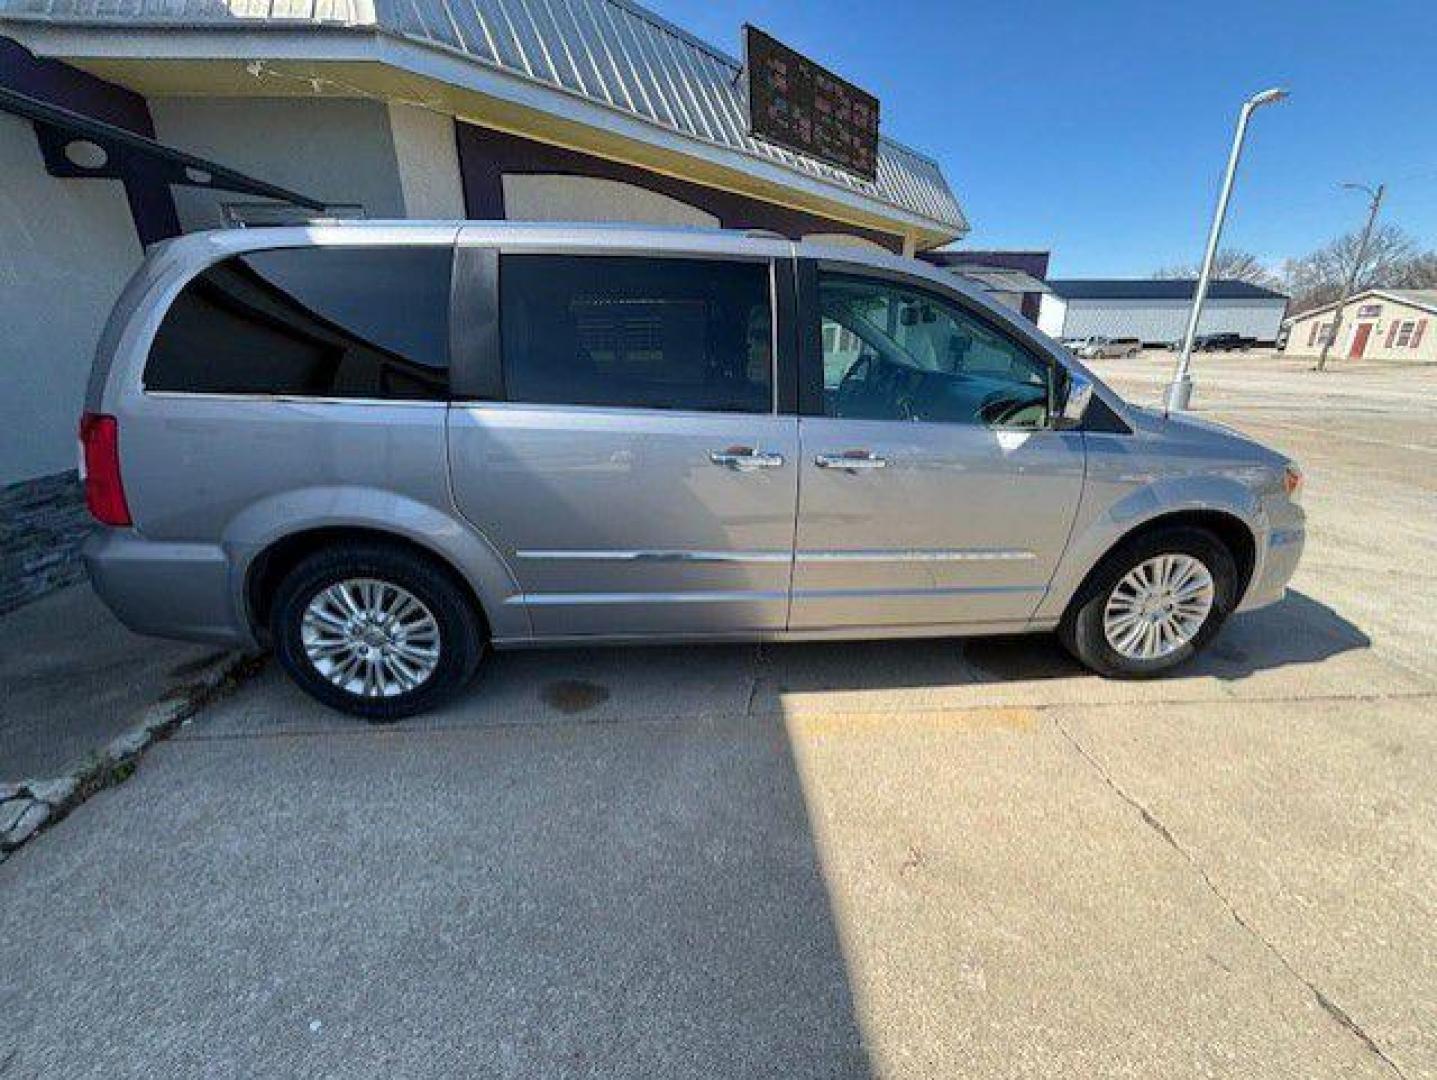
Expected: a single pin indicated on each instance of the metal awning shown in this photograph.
(609, 64)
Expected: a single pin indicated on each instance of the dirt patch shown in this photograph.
(570, 696)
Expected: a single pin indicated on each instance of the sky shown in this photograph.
(1099, 129)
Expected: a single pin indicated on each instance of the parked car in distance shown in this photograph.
(1225, 342)
(383, 448)
(1100, 348)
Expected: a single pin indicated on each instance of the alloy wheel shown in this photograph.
(371, 638)
(1158, 606)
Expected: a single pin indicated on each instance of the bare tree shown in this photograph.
(1420, 272)
(1392, 261)
(1230, 265)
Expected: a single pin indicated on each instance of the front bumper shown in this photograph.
(1275, 565)
(166, 589)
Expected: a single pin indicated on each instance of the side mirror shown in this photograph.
(1077, 393)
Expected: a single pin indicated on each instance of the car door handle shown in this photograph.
(852, 460)
(746, 459)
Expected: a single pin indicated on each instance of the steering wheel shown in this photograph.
(857, 372)
(851, 385)
(999, 410)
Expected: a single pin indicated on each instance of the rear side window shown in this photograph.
(637, 332)
(311, 322)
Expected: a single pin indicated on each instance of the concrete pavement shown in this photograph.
(888, 859)
(72, 678)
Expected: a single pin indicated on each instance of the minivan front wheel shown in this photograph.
(375, 631)
(1152, 604)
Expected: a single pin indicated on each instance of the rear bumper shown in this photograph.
(167, 589)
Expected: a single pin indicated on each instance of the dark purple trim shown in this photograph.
(1034, 263)
(151, 203)
(486, 156)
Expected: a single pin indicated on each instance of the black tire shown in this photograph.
(1081, 630)
(462, 635)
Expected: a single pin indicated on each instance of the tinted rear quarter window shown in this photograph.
(311, 322)
(657, 333)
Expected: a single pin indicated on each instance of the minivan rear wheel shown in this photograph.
(1154, 603)
(375, 631)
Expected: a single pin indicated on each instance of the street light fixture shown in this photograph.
(1329, 338)
(1180, 392)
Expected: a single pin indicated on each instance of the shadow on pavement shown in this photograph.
(1297, 630)
(638, 900)
(72, 678)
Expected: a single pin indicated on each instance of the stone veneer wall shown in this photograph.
(42, 525)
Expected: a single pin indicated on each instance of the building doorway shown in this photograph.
(1359, 341)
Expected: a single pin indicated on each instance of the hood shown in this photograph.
(1188, 428)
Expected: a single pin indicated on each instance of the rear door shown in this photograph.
(934, 489)
(622, 446)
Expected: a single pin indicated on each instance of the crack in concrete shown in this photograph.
(1153, 822)
(116, 762)
(760, 663)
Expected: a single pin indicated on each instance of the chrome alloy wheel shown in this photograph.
(1158, 607)
(370, 638)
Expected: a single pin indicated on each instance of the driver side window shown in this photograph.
(891, 352)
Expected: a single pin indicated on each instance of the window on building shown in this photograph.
(1312, 333)
(1417, 333)
(1404, 334)
(311, 322)
(647, 333)
(892, 352)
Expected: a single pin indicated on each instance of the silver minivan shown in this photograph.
(382, 448)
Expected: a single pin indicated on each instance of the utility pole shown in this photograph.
(1180, 391)
(1329, 339)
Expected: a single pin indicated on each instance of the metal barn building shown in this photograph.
(1156, 311)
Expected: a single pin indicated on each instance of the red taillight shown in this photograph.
(100, 445)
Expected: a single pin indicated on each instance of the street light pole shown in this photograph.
(1351, 282)
(1180, 391)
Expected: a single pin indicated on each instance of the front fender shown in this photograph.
(1115, 508)
(288, 513)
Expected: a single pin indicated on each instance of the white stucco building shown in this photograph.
(1156, 311)
(594, 110)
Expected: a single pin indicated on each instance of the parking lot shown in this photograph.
(890, 859)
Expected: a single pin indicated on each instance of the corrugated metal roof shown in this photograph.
(1001, 279)
(1156, 289)
(609, 51)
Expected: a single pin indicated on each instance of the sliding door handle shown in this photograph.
(851, 460)
(746, 459)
